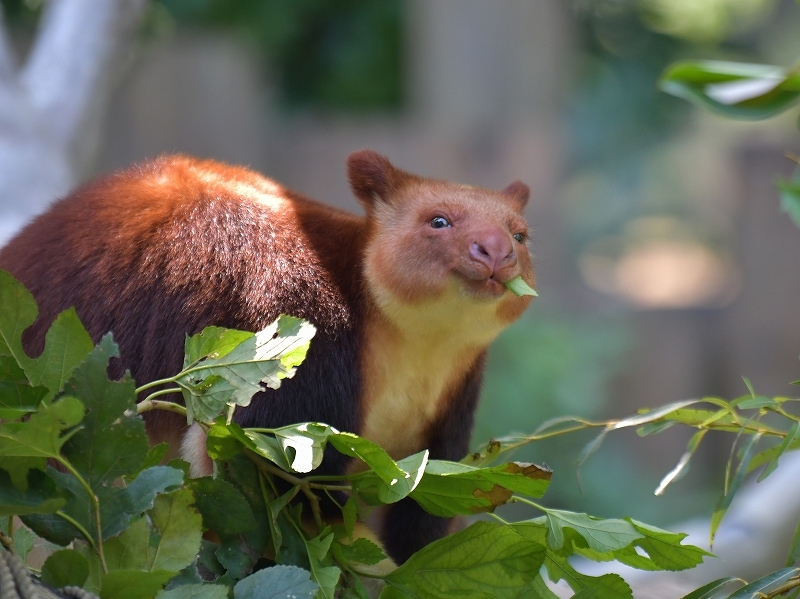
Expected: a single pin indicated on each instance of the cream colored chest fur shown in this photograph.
(415, 358)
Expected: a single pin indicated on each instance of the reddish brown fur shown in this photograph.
(405, 311)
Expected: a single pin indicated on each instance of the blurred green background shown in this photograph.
(664, 266)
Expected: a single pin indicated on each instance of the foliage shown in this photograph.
(340, 55)
(77, 471)
(743, 91)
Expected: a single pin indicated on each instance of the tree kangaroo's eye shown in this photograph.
(520, 237)
(439, 222)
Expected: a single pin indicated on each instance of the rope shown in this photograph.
(17, 582)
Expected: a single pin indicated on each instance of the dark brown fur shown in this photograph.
(168, 247)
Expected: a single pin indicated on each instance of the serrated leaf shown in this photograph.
(66, 346)
(485, 560)
(519, 287)
(325, 575)
(196, 591)
(133, 584)
(264, 358)
(179, 526)
(277, 582)
(600, 535)
(119, 506)
(236, 557)
(109, 444)
(65, 568)
(607, 586)
(765, 585)
(361, 551)
(738, 90)
(212, 342)
(66, 342)
(222, 507)
(449, 489)
(664, 550)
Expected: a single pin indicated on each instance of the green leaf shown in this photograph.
(66, 346)
(664, 550)
(725, 501)
(711, 589)
(792, 436)
(763, 586)
(361, 551)
(757, 402)
(119, 506)
(40, 495)
(24, 540)
(607, 586)
(212, 342)
(223, 441)
(325, 575)
(789, 192)
(738, 90)
(133, 584)
(196, 591)
(449, 489)
(485, 560)
(223, 508)
(397, 479)
(277, 582)
(600, 535)
(794, 550)
(38, 438)
(236, 557)
(66, 343)
(179, 527)
(65, 568)
(109, 445)
(519, 287)
(304, 444)
(242, 473)
(17, 396)
(266, 357)
(155, 456)
(683, 464)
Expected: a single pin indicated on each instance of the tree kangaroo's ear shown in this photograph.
(519, 192)
(372, 177)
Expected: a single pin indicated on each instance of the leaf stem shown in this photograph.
(152, 384)
(154, 404)
(79, 526)
(96, 505)
(160, 392)
(304, 485)
(526, 501)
